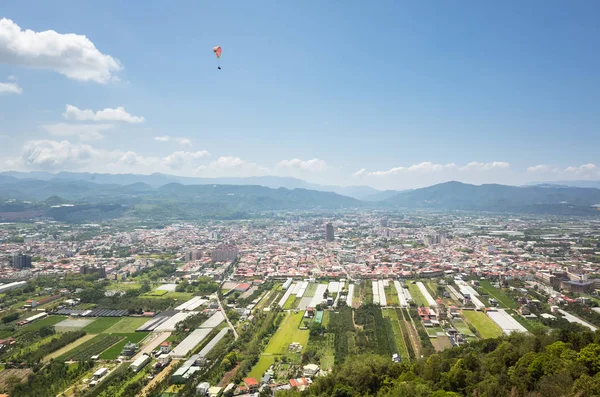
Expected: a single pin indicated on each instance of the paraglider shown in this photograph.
(217, 51)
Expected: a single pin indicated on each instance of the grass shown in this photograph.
(325, 321)
(416, 294)
(155, 293)
(310, 290)
(484, 325)
(287, 333)
(398, 336)
(90, 348)
(501, 297)
(391, 295)
(44, 322)
(125, 325)
(261, 366)
(101, 324)
(463, 328)
(113, 352)
(69, 347)
(528, 324)
(289, 302)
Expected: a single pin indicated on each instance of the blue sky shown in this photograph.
(388, 94)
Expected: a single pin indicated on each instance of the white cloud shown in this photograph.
(108, 114)
(232, 166)
(12, 78)
(51, 155)
(10, 88)
(475, 166)
(314, 165)
(586, 171)
(541, 168)
(178, 160)
(85, 132)
(360, 172)
(167, 138)
(72, 55)
(424, 167)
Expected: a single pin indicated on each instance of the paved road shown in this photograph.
(156, 340)
(226, 318)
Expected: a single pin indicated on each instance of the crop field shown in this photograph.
(90, 348)
(379, 335)
(124, 286)
(101, 324)
(68, 348)
(416, 294)
(484, 325)
(310, 290)
(391, 295)
(44, 322)
(155, 293)
(126, 325)
(503, 299)
(72, 324)
(289, 303)
(392, 315)
(114, 351)
(261, 366)
(463, 328)
(287, 333)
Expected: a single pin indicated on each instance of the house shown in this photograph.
(202, 389)
(251, 383)
(310, 369)
(165, 347)
(300, 383)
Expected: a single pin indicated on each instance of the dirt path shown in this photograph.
(414, 336)
(165, 372)
(228, 377)
(68, 347)
(154, 342)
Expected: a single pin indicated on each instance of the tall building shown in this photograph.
(100, 272)
(329, 232)
(193, 255)
(224, 253)
(21, 261)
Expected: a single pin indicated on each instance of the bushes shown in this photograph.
(51, 379)
(341, 325)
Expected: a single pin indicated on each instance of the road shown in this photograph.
(225, 315)
(156, 340)
(161, 375)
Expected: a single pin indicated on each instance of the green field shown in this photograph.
(310, 290)
(90, 348)
(503, 299)
(391, 295)
(47, 321)
(261, 366)
(463, 328)
(126, 325)
(101, 324)
(289, 302)
(484, 325)
(155, 293)
(398, 336)
(287, 333)
(124, 286)
(113, 352)
(416, 294)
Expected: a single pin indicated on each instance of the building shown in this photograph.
(252, 384)
(224, 253)
(139, 363)
(193, 255)
(310, 369)
(99, 272)
(329, 236)
(100, 373)
(21, 261)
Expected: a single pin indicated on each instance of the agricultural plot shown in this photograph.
(68, 348)
(73, 324)
(482, 323)
(392, 315)
(44, 322)
(310, 291)
(101, 324)
(92, 347)
(391, 295)
(380, 338)
(126, 325)
(417, 297)
(497, 294)
(342, 327)
(289, 302)
(263, 364)
(113, 352)
(463, 328)
(287, 333)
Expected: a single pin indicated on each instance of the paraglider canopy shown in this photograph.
(217, 51)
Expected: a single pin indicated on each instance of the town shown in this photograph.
(260, 306)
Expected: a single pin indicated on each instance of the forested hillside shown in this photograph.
(563, 363)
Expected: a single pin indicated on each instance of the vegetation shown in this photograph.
(485, 327)
(92, 347)
(35, 354)
(561, 363)
(51, 379)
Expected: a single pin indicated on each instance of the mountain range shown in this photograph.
(97, 196)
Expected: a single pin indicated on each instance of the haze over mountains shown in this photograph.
(163, 196)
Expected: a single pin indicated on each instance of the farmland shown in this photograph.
(90, 348)
(44, 322)
(114, 351)
(391, 295)
(287, 333)
(101, 324)
(392, 316)
(484, 325)
(501, 297)
(125, 325)
(418, 298)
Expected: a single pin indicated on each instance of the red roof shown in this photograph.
(250, 382)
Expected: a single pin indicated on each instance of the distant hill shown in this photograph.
(158, 179)
(501, 198)
(590, 184)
